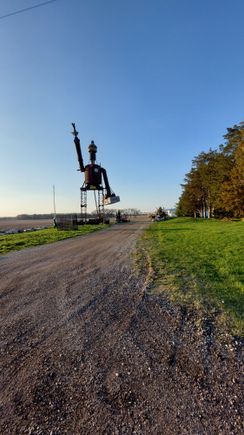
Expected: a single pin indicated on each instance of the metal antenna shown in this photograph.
(74, 132)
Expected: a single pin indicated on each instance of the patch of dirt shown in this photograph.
(18, 224)
(85, 349)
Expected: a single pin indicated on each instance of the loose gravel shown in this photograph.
(86, 350)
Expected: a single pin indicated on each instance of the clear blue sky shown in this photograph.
(153, 83)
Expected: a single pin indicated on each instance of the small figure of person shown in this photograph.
(118, 216)
(54, 222)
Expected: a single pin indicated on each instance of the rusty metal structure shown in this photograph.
(96, 180)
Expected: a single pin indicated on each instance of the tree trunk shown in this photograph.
(204, 212)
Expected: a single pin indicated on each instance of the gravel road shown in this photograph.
(86, 350)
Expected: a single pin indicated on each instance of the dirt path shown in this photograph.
(86, 351)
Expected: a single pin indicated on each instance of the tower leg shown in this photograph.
(83, 204)
(100, 203)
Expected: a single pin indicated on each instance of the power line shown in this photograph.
(26, 9)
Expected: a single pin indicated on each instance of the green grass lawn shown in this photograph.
(15, 242)
(200, 262)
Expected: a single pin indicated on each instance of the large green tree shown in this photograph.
(215, 185)
(232, 190)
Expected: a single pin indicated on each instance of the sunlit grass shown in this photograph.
(16, 242)
(200, 262)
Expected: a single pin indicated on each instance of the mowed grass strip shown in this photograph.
(200, 262)
(16, 242)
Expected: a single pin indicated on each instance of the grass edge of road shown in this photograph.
(19, 241)
(196, 264)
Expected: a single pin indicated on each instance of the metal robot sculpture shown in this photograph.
(96, 179)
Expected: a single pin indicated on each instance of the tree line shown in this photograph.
(112, 212)
(214, 187)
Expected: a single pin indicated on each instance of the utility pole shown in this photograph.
(54, 202)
